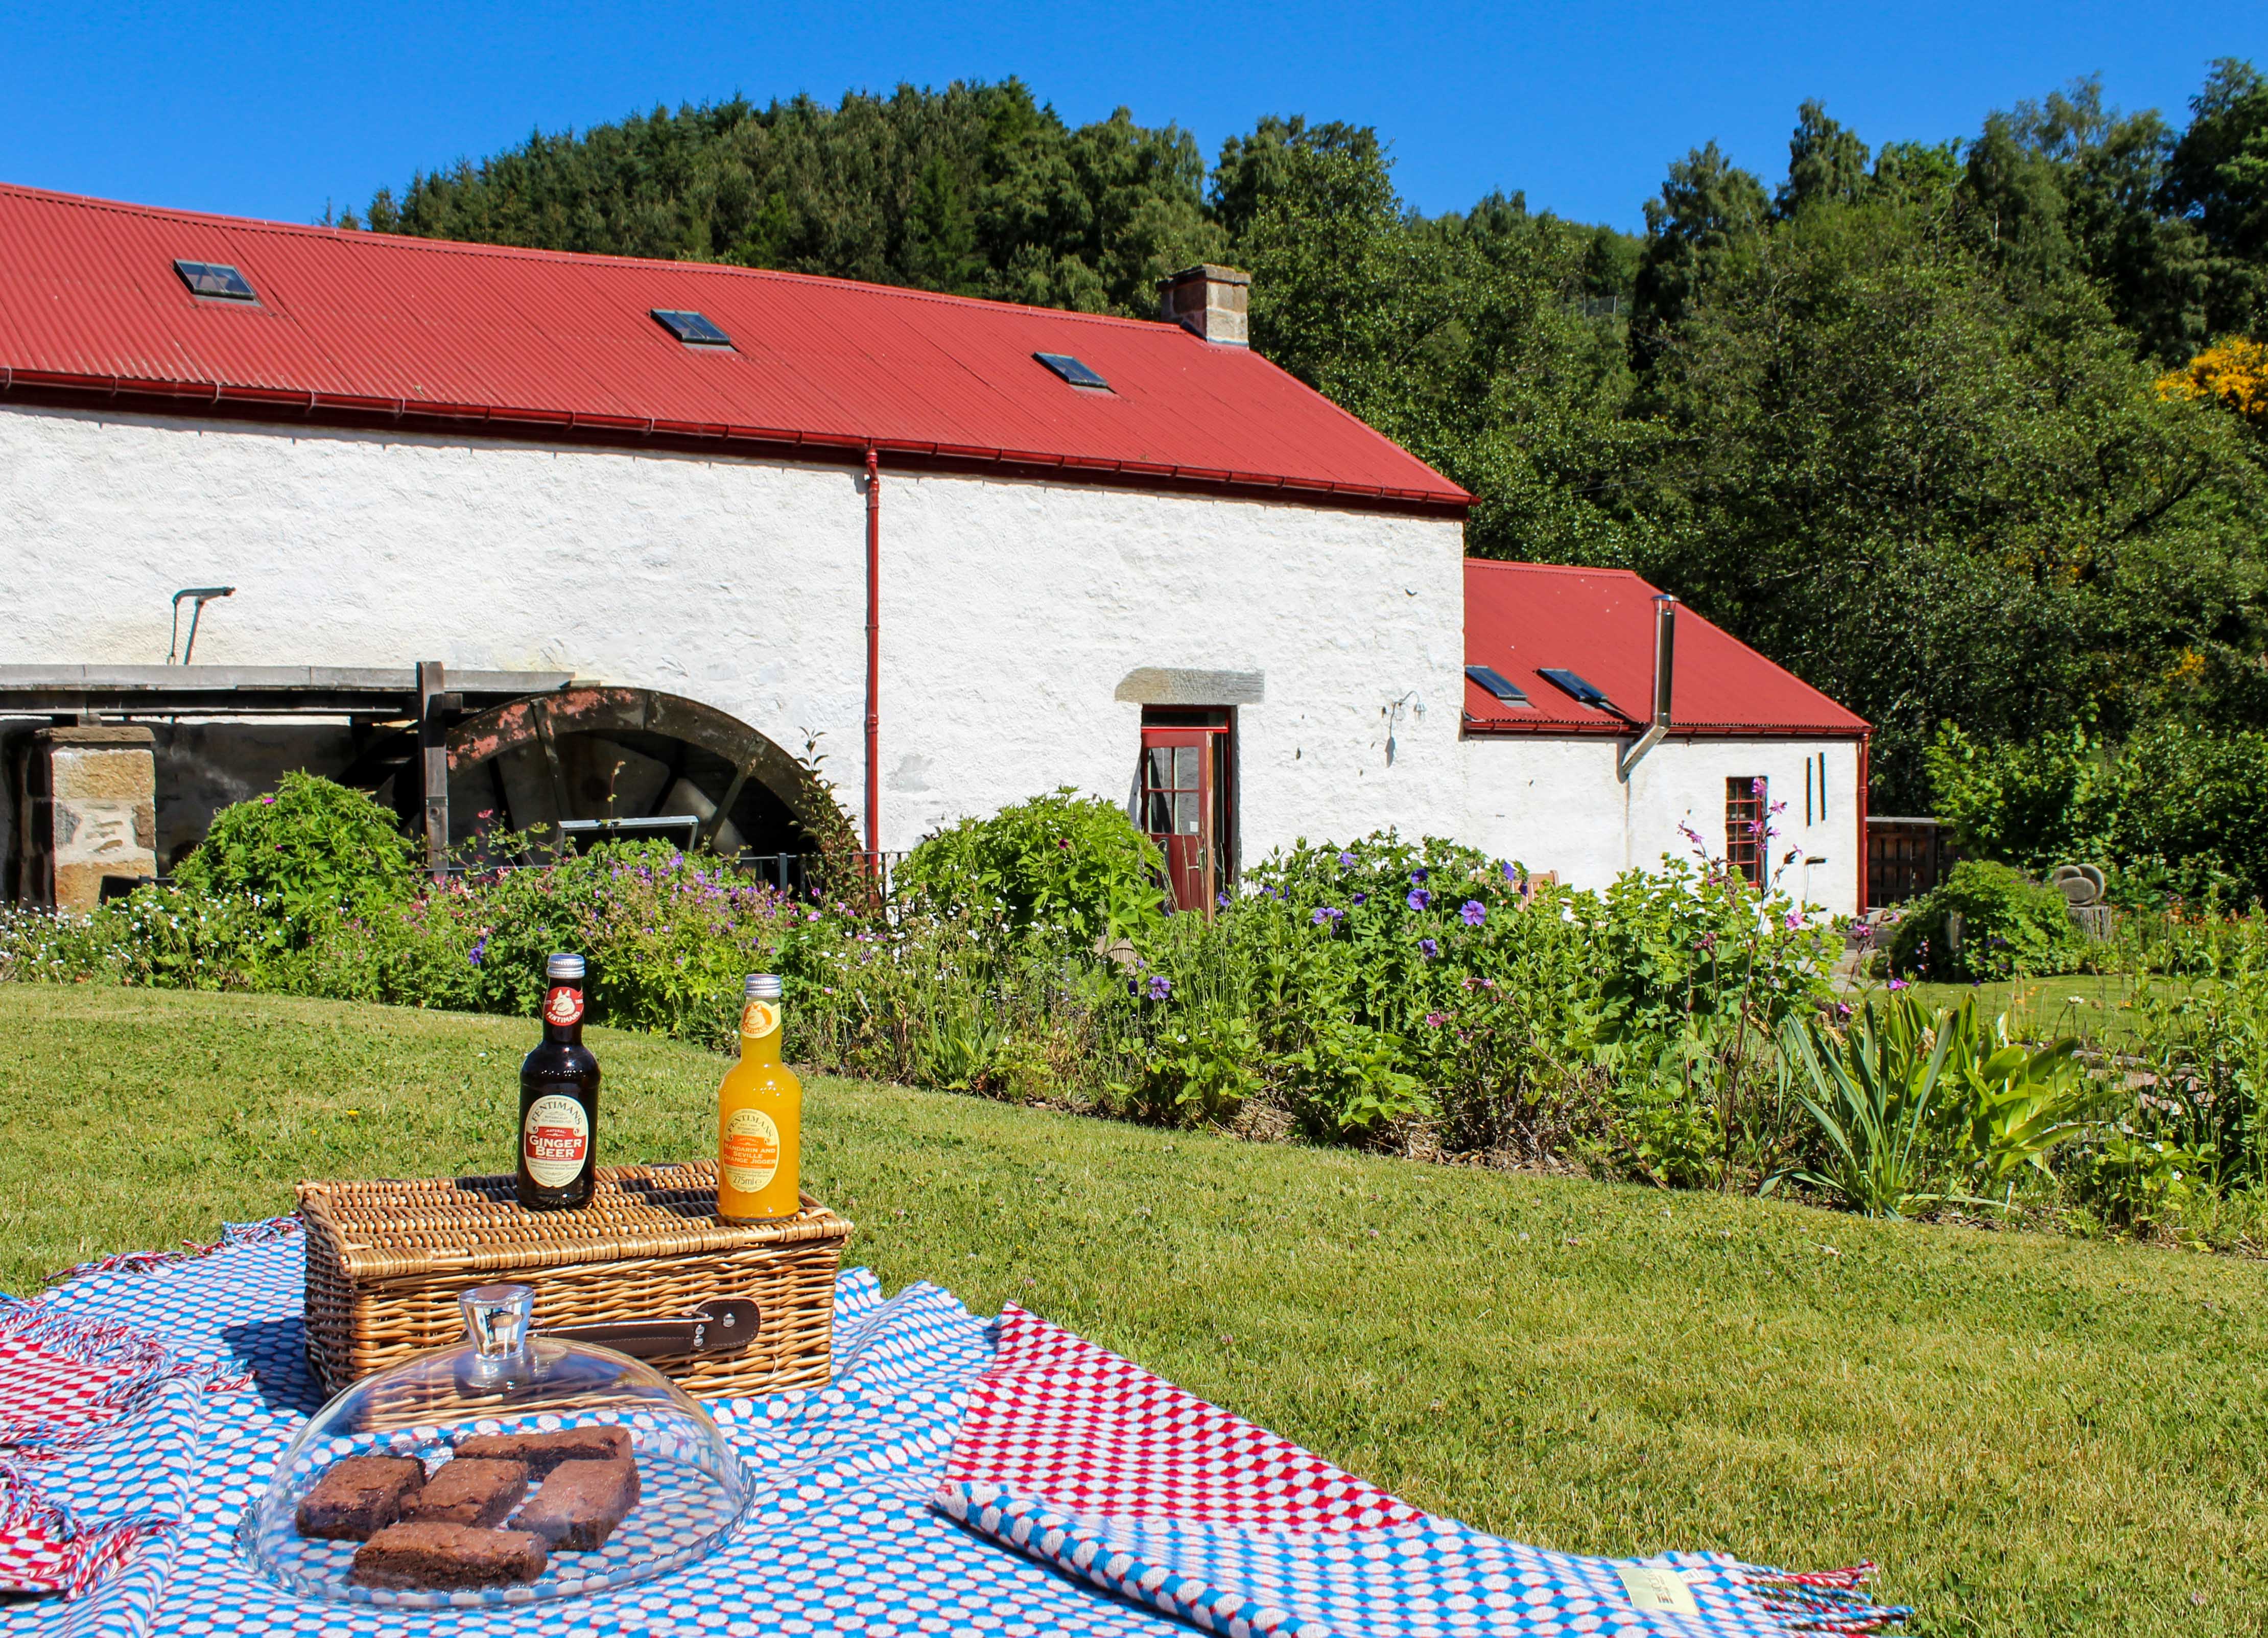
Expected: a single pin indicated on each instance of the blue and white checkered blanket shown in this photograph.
(876, 1533)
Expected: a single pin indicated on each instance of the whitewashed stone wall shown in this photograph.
(1555, 805)
(1012, 610)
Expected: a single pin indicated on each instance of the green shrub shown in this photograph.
(309, 849)
(2173, 811)
(2011, 927)
(1063, 860)
(1687, 942)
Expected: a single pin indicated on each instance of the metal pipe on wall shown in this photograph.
(874, 652)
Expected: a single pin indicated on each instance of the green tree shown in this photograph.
(975, 189)
(1705, 228)
(2216, 178)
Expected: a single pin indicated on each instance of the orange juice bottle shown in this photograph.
(759, 1117)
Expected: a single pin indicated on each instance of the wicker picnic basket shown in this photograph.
(386, 1260)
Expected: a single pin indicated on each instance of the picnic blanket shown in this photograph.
(960, 1477)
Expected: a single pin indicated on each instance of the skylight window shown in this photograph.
(1498, 684)
(216, 279)
(1071, 370)
(1574, 684)
(691, 327)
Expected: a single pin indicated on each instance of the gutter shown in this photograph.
(874, 658)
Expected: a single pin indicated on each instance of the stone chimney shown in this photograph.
(1209, 301)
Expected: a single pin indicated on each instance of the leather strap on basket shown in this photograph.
(722, 1326)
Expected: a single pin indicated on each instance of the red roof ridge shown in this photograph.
(538, 253)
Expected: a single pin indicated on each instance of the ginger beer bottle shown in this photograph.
(759, 1117)
(559, 1099)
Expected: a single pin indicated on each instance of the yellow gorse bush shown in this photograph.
(2232, 372)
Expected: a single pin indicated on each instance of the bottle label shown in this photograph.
(760, 1018)
(556, 1140)
(564, 1004)
(750, 1152)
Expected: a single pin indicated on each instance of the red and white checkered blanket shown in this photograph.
(1058, 1417)
(65, 1383)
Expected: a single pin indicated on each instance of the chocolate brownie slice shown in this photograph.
(580, 1505)
(358, 1496)
(543, 1451)
(468, 1491)
(429, 1554)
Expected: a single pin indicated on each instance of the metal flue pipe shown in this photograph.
(1665, 671)
(1665, 654)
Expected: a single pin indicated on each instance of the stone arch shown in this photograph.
(599, 752)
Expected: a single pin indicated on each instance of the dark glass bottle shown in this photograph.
(559, 1099)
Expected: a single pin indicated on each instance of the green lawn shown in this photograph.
(2031, 1435)
(2090, 1005)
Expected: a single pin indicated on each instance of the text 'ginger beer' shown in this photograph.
(559, 1099)
(759, 1117)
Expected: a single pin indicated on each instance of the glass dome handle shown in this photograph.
(499, 1319)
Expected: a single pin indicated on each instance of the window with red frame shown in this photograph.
(1744, 827)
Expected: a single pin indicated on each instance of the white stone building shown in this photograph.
(1565, 685)
(966, 552)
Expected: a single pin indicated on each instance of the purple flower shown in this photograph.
(1362, 899)
(1428, 948)
(1437, 1019)
(1510, 872)
(1474, 913)
(1325, 913)
(1420, 898)
(1160, 987)
(477, 952)
(1897, 983)
(1795, 921)
(1346, 861)
(1417, 875)
(1221, 899)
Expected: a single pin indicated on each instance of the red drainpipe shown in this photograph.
(875, 655)
(1865, 862)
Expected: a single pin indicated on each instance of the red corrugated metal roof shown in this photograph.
(1523, 619)
(351, 323)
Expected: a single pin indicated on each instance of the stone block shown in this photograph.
(111, 774)
(91, 803)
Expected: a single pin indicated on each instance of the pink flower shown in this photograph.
(1437, 1019)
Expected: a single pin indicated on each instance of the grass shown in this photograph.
(2031, 1435)
(2090, 1005)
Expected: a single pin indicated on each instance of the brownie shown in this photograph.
(543, 1451)
(430, 1554)
(358, 1496)
(468, 1491)
(580, 1505)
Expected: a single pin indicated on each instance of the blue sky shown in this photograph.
(274, 110)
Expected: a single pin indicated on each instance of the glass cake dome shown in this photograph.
(513, 1468)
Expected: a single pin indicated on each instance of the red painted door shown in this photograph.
(1185, 806)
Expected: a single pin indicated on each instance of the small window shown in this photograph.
(1072, 371)
(1573, 685)
(1748, 827)
(1498, 684)
(216, 279)
(691, 328)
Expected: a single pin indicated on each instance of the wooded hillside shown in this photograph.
(1966, 433)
